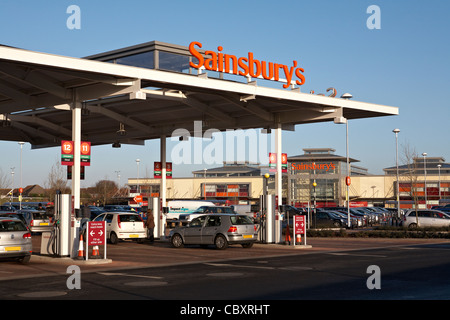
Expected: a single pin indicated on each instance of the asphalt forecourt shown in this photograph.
(129, 254)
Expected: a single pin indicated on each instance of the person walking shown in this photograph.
(150, 224)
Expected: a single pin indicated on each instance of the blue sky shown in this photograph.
(404, 64)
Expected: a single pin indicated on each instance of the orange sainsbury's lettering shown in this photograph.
(313, 166)
(244, 66)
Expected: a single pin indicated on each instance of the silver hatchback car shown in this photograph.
(216, 229)
(15, 240)
(426, 218)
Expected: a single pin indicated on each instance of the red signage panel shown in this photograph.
(67, 153)
(96, 233)
(299, 224)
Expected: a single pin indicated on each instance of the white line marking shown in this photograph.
(357, 255)
(128, 275)
(237, 266)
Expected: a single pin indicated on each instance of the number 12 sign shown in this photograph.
(67, 152)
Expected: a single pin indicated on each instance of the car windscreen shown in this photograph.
(239, 220)
(130, 218)
(11, 225)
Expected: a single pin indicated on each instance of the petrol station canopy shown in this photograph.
(145, 92)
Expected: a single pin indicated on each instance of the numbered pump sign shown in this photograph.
(67, 152)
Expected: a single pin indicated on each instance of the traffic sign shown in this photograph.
(96, 232)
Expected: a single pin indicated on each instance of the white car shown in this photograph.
(426, 217)
(123, 225)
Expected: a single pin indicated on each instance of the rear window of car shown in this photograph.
(239, 220)
(130, 218)
(41, 215)
(11, 225)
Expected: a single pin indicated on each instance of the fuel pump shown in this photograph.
(58, 242)
(156, 215)
(270, 219)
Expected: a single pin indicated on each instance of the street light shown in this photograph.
(439, 185)
(138, 187)
(347, 96)
(396, 131)
(425, 176)
(12, 187)
(20, 187)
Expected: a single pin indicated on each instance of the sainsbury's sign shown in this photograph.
(313, 166)
(246, 66)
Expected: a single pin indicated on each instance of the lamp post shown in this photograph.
(396, 131)
(315, 209)
(439, 185)
(425, 176)
(12, 187)
(347, 96)
(20, 187)
(138, 187)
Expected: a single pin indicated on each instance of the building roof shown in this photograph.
(320, 154)
(231, 169)
(431, 167)
(39, 90)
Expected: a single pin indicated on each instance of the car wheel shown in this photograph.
(221, 242)
(247, 245)
(113, 238)
(337, 224)
(177, 241)
(413, 226)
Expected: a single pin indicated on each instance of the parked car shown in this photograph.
(353, 221)
(326, 219)
(15, 240)
(6, 208)
(363, 217)
(203, 210)
(123, 225)
(38, 221)
(16, 215)
(119, 208)
(426, 218)
(445, 209)
(216, 229)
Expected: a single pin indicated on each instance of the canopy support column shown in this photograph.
(76, 137)
(279, 174)
(163, 170)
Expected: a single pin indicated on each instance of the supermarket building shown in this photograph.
(243, 183)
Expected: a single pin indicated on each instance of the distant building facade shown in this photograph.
(244, 183)
(327, 170)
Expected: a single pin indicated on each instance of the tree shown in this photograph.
(56, 180)
(105, 189)
(411, 175)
